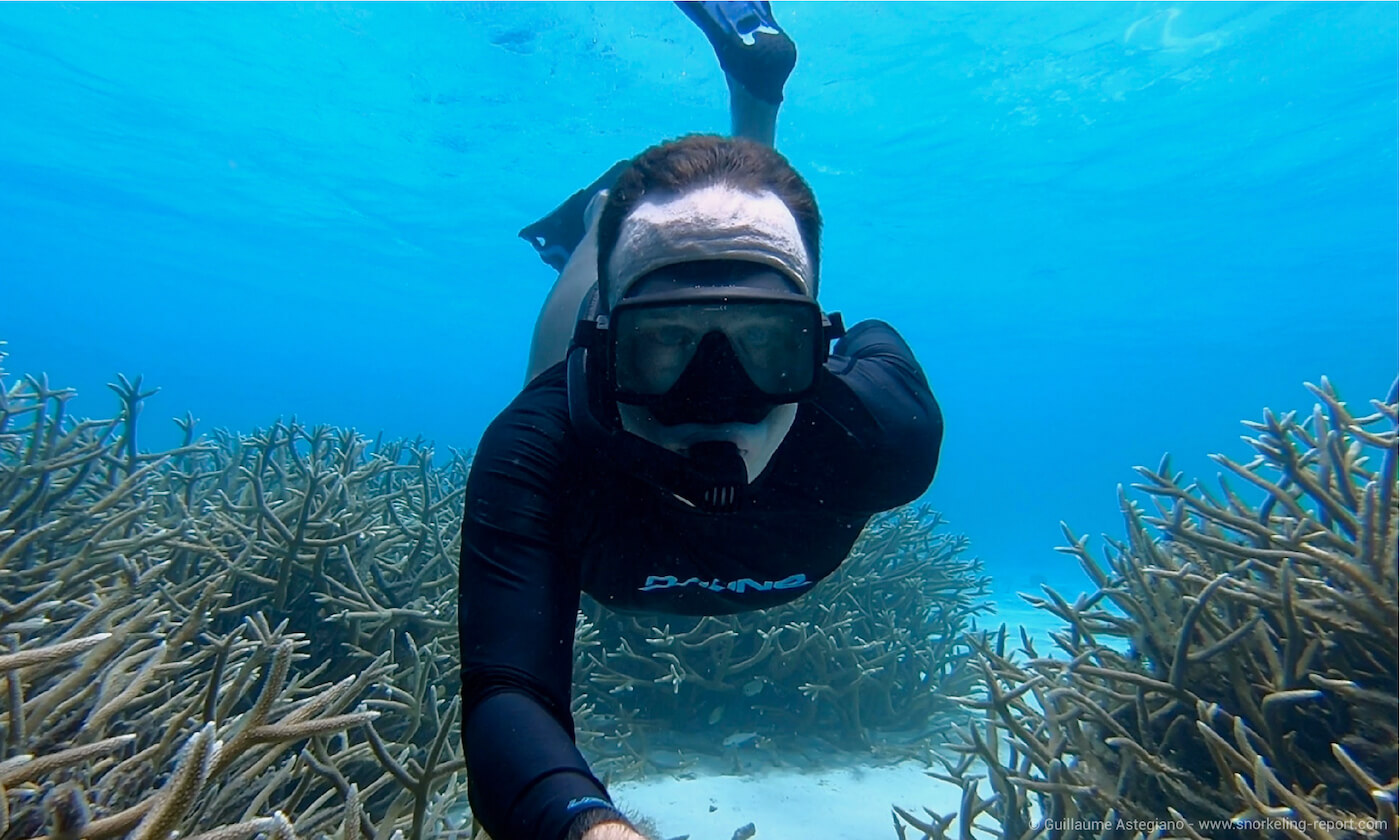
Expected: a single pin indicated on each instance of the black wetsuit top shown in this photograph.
(546, 518)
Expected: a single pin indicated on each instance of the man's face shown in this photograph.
(756, 441)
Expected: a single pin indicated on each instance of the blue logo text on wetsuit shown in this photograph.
(738, 587)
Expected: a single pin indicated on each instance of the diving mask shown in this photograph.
(711, 355)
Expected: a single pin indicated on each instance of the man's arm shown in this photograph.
(879, 448)
(518, 602)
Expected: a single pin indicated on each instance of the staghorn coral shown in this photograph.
(147, 686)
(354, 543)
(866, 659)
(1257, 694)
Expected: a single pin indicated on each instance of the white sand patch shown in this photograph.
(841, 804)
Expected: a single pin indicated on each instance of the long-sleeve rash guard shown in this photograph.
(547, 519)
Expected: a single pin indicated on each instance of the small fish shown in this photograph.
(738, 739)
(744, 832)
(716, 715)
(753, 686)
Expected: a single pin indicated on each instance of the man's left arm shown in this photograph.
(875, 390)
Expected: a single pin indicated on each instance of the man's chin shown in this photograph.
(685, 450)
(681, 437)
(735, 433)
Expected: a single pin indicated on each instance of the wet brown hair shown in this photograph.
(703, 160)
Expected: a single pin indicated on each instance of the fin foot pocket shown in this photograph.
(750, 45)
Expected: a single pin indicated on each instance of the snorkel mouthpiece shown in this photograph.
(716, 476)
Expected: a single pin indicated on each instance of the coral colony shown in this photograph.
(255, 635)
(1256, 693)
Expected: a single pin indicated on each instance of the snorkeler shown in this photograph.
(688, 441)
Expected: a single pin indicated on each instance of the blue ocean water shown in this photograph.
(1108, 230)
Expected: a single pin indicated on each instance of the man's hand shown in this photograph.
(612, 831)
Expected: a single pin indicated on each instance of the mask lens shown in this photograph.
(776, 342)
(652, 352)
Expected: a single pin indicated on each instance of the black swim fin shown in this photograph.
(557, 235)
(751, 47)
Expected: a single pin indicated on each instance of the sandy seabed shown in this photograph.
(852, 803)
(840, 803)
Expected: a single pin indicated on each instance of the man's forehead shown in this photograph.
(720, 193)
(717, 273)
(713, 222)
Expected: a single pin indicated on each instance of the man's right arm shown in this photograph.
(517, 608)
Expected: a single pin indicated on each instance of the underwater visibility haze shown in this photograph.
(1109, 231)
